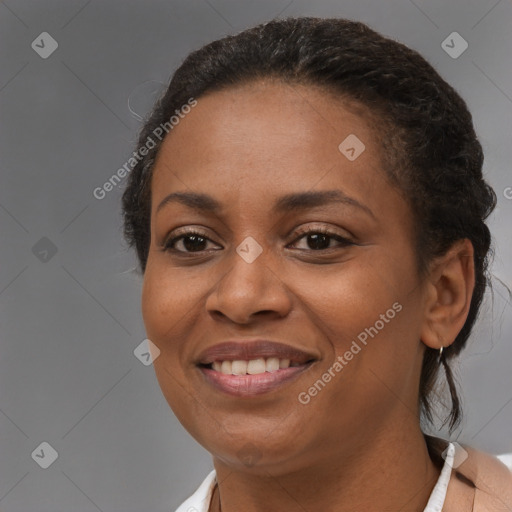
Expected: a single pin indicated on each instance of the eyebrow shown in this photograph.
(304, 200)
(287, 203)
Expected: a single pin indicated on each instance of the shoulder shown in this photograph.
(479, 481)
(491, 478)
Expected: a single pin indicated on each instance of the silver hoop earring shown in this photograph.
(440, 352)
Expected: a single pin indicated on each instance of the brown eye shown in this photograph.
(320, 239)
(189, 242)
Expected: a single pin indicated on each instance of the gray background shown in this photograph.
(70, 321)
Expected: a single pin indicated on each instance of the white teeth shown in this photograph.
(225, 367)
(272, 364)
(256, 366)
(252, 367)
(239, 367)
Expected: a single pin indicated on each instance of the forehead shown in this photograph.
(268, 136)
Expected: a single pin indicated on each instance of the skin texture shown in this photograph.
(357, 445)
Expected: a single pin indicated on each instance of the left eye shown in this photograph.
(320, 240)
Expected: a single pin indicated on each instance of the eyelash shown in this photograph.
(344, 242)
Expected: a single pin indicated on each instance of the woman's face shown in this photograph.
(350, 301)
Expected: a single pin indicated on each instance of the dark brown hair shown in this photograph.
(429, 147)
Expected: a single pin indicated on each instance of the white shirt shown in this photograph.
(200, 500)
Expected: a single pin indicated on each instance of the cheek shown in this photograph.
(163, 310)
(155, 306)
(353, 298)
(172, 309)
(165, 307)
(166, 302)
(369, 330)
(368, 316)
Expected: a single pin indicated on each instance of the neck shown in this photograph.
(387, 472)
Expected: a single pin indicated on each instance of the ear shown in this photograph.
(449, 289)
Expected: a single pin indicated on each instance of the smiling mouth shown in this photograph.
(245, 379)
(255, 366)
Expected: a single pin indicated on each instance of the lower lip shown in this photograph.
(252, 385)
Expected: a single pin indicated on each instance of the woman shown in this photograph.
(309, 217)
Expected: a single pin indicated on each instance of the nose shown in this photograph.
(249, 290)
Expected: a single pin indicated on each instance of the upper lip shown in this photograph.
(244, 350)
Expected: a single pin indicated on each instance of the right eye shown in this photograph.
(191, 242)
